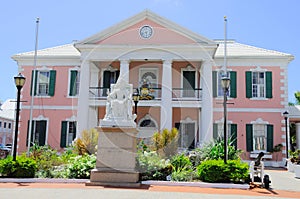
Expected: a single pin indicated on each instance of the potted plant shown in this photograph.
(277, 148)
(295, 162)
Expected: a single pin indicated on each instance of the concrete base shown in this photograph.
(116, 158)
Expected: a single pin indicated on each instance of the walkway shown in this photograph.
(283, 185)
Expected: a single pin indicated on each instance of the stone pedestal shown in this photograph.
(116, 158)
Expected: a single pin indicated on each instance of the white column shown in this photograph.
(298, 135)
(207, 103)
(124, 70)
(83, 98)
(166, 96)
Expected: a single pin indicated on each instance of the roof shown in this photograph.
(7, 109)
(67, 50)
(294, 112)
(235, 50)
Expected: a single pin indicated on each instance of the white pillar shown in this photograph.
(207, 103)
(83, 98)
(298, 135)
(124, 70)
(166, 96)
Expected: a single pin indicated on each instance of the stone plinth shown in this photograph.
(116, 157)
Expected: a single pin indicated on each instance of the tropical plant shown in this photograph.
(88, 143)
(182, 168)
(214, 150)
(165, 143)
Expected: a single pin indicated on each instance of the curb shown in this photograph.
(42, 180)
(198, 184)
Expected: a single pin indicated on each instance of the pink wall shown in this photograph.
(161, 35)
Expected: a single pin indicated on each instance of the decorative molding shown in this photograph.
(258, 69)
(259, 121)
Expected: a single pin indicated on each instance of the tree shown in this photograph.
(297, 96)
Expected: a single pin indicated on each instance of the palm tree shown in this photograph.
(297, 97)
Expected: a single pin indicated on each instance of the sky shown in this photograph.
(268, 24)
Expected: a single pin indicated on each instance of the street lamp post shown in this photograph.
(19, 81)
(286, 114)
(136, 98)
(225, 85)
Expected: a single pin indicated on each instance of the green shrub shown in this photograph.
(81, 166)
(217, 171)
(152, 166)
(23, 167)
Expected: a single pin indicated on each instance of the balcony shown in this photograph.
(178, 94)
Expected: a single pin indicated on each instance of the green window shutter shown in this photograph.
(249, 137)
(270, 137)
(233, 84)
(234, 135)
(214, 83)
(41, 128)
(72, 91)
(63, 136)
(215, 131)
(248, 84)
(33, 82)
(269, 85)
(52, 82)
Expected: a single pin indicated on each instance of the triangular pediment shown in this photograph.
(164, 31)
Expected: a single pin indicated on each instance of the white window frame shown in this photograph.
(256, 124)
(220, 124)
(183, 124)
(39, 84)
(69, 141)
(146, 133)
(259, 88)
(220, 90)
(41, 118)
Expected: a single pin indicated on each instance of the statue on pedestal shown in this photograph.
(119, 106)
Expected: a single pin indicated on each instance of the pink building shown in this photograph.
(184, 71)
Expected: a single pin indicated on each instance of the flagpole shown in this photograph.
(33, 85)
(225, 45)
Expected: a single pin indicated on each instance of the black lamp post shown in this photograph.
(225, 85)
(19, 81)
(136, 98)
(286, 115)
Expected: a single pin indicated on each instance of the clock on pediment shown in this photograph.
(146, 31)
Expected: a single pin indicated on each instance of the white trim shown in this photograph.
(258, 69)
(266, 110)
(37, 107)
(73, 118)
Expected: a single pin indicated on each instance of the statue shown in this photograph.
(119, 105)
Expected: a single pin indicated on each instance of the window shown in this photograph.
(38, 132)
(258, 84)
(9, 125)
(44, 82)
(259, 137)
(109, 77)
(186, 132)
(0, 124)
(4, 126)
(217, 85)
(74, 83)
(68, 133)
(218, 132)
